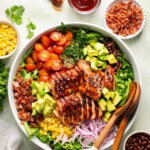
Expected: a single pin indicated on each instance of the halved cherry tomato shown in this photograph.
(55, 36)
(69, 35)
(29, 60)
(39, 65)
(44, 55)
(50, 49)
(53, 56)
(48, 64)
(30, 67)
(56, 64)
(43, 72)
(58, 49)
(45, 41)
(62, 40)
(38, 47)
(44, 78)
(35, 56)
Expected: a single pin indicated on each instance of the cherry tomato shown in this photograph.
(44, 55)
(50, 49)
(56, 64)
(53, 56)
(38, 47)
(45, 41)
(44, 78)
(35, 56)
(30, 67)
(69, 35)
(39, 65)
(48, 65)
(29, 60)
(55, 36)
(62, 40)
(43, 72)
(58, 49)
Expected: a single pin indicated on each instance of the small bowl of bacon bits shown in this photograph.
(125, 18)
(9, 39)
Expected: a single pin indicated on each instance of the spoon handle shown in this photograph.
(120, 133)
(105, 131)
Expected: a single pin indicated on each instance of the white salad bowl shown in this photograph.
(17, 61)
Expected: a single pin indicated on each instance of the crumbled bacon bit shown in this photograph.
(124, 18)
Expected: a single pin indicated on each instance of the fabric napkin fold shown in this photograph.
(10, 138)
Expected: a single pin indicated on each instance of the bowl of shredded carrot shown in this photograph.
(124, 19)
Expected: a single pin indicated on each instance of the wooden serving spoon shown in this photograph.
(117, 113)
(126, 117)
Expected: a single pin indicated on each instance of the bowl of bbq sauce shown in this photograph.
(84, 6)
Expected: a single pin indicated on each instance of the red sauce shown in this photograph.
(84, 5)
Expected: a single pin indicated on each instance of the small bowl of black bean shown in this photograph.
(138, 140)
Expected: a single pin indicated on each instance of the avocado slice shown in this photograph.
(38, 105)
(107, 116)
(86, 49)
(34, 112)
(116, 99)
(106, 93)
(92, 53)
(93, 61)
(49, 100)
(46, 89)
(103, 51)
(97, 46)
(111, 59)
(110, 106)
(102, 103)
(47, 110)
(34, 91)
(99, 63)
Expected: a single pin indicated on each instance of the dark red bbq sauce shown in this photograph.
(84, 5)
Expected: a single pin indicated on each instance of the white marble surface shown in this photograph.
(44, 16)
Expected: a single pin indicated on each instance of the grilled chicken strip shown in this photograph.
(76, 108)
(65, 82)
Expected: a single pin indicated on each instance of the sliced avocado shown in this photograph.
(33, 84)
(112, 94)
(97, 46)
(116, 99)
(99, 63)
(34, 91)
(103, 51)
(101, 57)
(107, 116)
(92, 53)
(38, 96)
(47, 110)
(87, 58)
(104, 65)
(49, 100)
(111, 59)
(40, 88)
(102, 103)
(34, 112)
(38, 105)
(110, 106)
(93, 61)
(86, 49)
(106, 93)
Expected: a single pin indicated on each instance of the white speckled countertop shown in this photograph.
(44, 16)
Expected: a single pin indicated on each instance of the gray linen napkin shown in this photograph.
(10, 138)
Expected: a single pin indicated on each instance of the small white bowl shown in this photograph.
(18, 39)
(131, 35)
(134, 133)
